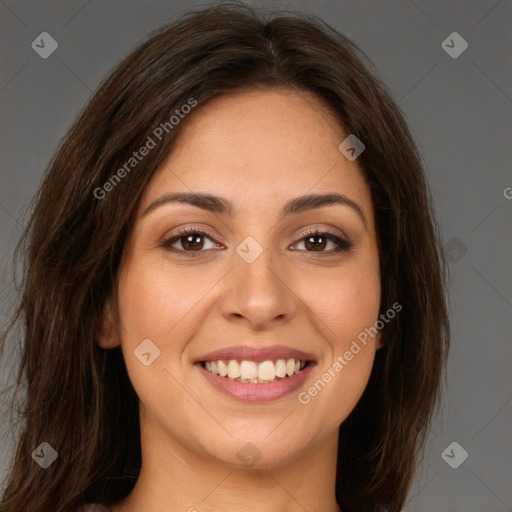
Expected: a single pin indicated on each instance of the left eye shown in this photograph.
(339, 243)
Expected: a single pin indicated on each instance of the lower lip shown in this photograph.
(248, 392)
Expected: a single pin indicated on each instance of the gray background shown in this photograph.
(459, 111)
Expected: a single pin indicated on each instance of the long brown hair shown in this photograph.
(79, 398)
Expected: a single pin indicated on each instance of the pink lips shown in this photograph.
(256, 354)
(249, 392)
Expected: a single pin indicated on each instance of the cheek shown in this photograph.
(345, 306)
(153, 302)
(345, 303)
(156, 305)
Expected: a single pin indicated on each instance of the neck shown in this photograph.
(175, 478)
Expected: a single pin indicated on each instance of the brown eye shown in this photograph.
(312, 242)
(191, 241)
(317, 241)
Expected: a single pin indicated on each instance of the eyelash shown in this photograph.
(342, 244)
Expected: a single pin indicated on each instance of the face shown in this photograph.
(260, 281)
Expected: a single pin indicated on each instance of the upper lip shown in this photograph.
(257, 354)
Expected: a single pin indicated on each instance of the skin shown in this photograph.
(257, 149)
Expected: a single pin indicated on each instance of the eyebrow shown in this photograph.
(220, 205)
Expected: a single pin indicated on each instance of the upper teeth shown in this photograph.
(251, 371)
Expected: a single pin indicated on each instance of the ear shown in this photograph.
(108, 334)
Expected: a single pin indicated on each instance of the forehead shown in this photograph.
(257, 146)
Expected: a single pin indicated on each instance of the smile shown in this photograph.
(253, 372)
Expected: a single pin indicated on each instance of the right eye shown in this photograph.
(190, 241)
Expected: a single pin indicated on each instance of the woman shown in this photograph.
(234, 291)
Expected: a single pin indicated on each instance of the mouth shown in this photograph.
(252, 374)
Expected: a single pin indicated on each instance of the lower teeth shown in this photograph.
(256, 381)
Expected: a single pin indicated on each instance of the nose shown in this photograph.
(258, 293)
